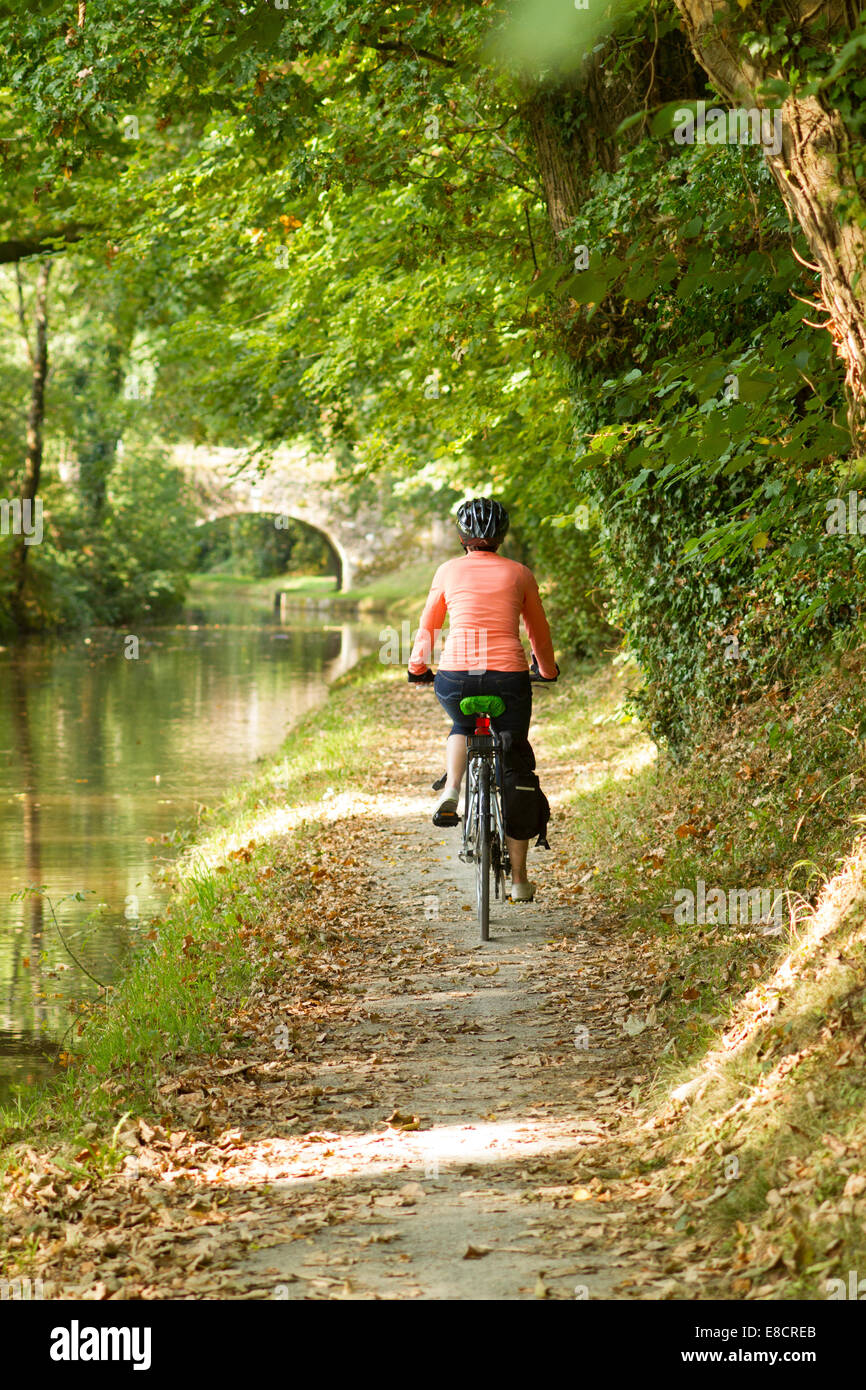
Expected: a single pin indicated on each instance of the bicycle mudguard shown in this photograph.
(491, 705)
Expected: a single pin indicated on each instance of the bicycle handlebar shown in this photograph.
(535, 678)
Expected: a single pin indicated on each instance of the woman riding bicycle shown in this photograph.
(485, 597)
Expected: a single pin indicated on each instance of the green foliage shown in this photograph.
(330, 224)
(129, 567)
(709, 450)
(564, 548)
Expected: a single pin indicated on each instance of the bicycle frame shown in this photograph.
(484, 842)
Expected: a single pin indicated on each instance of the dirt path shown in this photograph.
(470, 1044)
(415, 1116)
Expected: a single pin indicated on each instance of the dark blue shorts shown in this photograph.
(515, 688)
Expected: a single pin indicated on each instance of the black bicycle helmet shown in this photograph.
(482, 519)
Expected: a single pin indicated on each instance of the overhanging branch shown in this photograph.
(20, 248)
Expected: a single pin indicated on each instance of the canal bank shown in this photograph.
(201, 957)
(111, 744)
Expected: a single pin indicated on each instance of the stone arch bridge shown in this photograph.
(305, 487)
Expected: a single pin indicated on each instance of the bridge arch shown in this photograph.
(364, 534)
(297, 485)
(345, 566)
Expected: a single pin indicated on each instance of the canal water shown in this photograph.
(101, 754)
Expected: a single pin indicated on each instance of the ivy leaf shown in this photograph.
(637, 482)
(631, 121)
(754, 384)
(546, 280)
(588, 288)
(846, 53)
(774, 87)
(666, 117)
(639, 285)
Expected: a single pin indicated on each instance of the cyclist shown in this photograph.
(485, 596)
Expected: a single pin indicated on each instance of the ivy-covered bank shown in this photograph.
(709, 457)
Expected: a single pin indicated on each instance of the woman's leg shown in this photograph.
(517, 854)
(449, 688)
(455, 755)
(446, 812)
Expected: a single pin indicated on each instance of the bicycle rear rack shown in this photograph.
(482, 740)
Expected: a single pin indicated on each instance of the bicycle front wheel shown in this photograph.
(482, 852)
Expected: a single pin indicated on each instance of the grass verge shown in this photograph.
(315, 585)
(754, 1126)
(400, 594)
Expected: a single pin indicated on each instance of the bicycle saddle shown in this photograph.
(491, 705)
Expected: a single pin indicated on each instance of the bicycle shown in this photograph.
(484, 842)
(484, 839)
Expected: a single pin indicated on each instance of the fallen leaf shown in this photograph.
(411, 1192)
(398, 1121)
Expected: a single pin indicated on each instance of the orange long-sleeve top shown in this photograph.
(485, 596)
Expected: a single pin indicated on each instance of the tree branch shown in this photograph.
(529, 230)
(407, 50)
(20, 248)
(22, 317)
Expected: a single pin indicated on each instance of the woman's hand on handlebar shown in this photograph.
(535, 674)
(425, 678)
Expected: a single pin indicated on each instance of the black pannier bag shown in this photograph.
(527, 809)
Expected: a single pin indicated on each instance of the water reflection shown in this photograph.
(100, 756)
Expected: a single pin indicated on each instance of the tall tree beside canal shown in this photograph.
(34, 329)
(810, 58)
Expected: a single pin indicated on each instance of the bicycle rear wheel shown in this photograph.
(482, 851)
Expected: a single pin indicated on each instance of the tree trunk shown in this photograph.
(34, 437)
(572, 126)
(556, 163)
(98, 382)
(813, 169)
(572, 123)
(31, 827)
